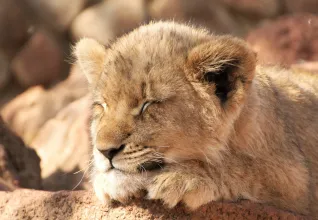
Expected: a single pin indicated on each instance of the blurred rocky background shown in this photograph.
(44, 102)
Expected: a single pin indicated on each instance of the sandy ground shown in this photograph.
(31, 204)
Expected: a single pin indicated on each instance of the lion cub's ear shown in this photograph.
(225, 62)
(90, 56)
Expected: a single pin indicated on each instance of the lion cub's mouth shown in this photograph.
(150, 166)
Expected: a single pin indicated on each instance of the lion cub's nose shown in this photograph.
(110, 153)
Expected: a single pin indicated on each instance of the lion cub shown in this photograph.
(190, 117)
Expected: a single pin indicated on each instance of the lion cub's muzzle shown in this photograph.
(143, 164)
(110, 153)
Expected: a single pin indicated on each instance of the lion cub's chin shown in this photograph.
(119, 186)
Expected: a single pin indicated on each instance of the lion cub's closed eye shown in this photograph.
(227, 128)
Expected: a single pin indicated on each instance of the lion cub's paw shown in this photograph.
(101, 195)
(168, 187)
(112, 186)
(100, 192)
(189, 184)
(172, 188)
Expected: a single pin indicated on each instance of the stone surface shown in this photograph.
(19, 165)
(28, 112)
(306, 66)
(210, 14)
(109, 19)
(30, 204)
(287, 40)
(64, 147)
(9, 92)
(15, 26)
(293, 6)
(255, 9)
(55, 123)
(58, 13)
(5, 74)
(4, 186)
(39, 62)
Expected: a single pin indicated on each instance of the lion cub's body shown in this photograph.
(278, 128)
(196, 105)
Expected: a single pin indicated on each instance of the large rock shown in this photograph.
(4, 70)
(306, 66)
(108, 20)
(255, 9)
(39, 62)
(4, 186)
(9, 92)
(287, 40)
(211, 14)
(19, 165)
(28, 112)
(55, 123)
(15, 25)
(293, 6)
(64, 147)
(30, 204)
(58, 13)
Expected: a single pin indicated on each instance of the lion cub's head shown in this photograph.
(164, 93)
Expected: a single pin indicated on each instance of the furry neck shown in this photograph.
(258, 122)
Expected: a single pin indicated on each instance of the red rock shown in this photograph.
(28, 112)
(293, 6)
(19, 165)
(9, 92)
(55, 123)
(64, 147)
(256, 9)
(39, 62)
(5, 186)
(31, 204)
(108, 20)
(306, 66)
(58, 13)
(210, 14)
(14, 26)
(287, 40)
(4, 70)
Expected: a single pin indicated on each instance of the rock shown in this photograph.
(14, 26)
(9, 92)
(64, 147)
(19, 165)
(8, 174)
(216, 15)
(55, 123)
(287, 40)
(294, 6)
(31, 204)
(5, 186)
(306, 66)
(109, 19)
(39, 62)
(210, 14)
(58, 13)
(28, 112)
(4, 70)
(256, 9)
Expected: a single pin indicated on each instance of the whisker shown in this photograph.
(161, 156)
(89, 163)
(82, 178)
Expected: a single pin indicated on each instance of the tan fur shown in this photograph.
(259, 143)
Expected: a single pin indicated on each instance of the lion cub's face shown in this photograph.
(162, 94)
